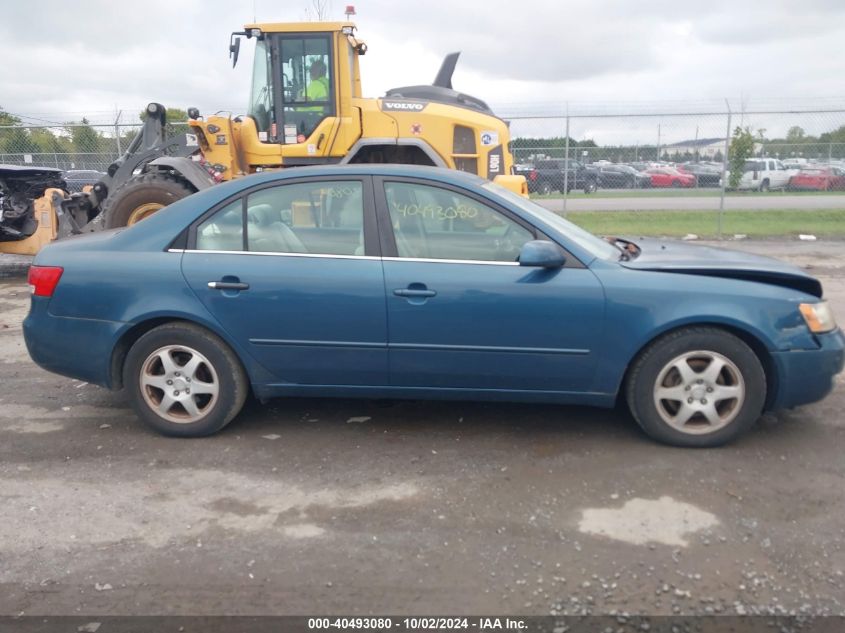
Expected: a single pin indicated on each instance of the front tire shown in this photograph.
(590, 186)
(141, 196)
(696, 387)
(184, 381)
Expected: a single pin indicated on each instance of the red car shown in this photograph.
(819, 179)
(666, 177)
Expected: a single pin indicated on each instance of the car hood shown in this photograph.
(695, 259)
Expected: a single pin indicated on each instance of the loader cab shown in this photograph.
(302, 83)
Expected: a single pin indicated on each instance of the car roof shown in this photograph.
(366, 169)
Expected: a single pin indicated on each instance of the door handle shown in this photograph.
(228, 285)
(412, 292)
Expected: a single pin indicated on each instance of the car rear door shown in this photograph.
(292, 272)
(463, 314)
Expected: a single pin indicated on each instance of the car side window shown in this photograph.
(223, 231)
(430, 222)
(319, 217)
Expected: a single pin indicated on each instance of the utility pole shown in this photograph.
(695, 146)
(117, 131)
(658, 143)
(566, 161)
(724, 170)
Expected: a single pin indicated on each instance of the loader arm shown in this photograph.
(87, 207)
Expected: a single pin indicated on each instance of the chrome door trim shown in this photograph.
(326, 256)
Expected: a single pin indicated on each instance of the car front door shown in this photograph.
(292, 272)
(463, 314)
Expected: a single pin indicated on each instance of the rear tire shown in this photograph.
(590, 186)
(167, 363)
(696, 387)
(545, 189)
(141, 196)
(764, 186)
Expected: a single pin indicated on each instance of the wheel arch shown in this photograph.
(753, 338)
(358, 152)
(133, 333)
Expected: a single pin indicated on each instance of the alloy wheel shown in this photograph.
(699, 392)
(179, 384)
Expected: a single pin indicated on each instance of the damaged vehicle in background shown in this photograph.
(20, 187)
(392, 281)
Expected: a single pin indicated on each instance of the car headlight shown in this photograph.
(818, 316)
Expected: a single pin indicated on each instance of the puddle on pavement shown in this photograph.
(642, 521)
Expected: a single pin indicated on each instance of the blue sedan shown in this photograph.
(385, 281)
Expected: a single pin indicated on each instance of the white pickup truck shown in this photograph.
(763, 174)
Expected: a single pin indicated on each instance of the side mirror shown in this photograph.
(541, 253)
(234, 49)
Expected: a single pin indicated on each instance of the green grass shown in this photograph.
(668, 192)
(828, 223)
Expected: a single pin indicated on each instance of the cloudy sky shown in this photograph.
(92, 57)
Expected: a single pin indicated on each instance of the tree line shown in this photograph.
(72, 138)
(796, 143)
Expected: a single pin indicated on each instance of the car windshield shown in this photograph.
(586, 240)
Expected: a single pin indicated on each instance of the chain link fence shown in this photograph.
(623, 148)
(797, 137)
(70, 146)
(678, 170)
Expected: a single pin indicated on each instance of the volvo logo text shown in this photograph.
(402, 105)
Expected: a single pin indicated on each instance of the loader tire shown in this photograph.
(141, 196)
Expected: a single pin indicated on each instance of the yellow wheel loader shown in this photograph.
(305, 108)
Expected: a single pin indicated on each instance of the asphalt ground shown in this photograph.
(667, 202)
(355, 506)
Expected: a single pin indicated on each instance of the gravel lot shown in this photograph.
(354, 507)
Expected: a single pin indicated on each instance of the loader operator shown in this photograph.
(317, 90)
(318, 87)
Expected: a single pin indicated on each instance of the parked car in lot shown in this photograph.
(764, 174)
(76, 179)
(385, 281)
(705, 175)
(668, 177)
(795, 163)
(818, 179)
(553, 174)
(621, 176)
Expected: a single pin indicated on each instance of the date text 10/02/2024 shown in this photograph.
(415, 624)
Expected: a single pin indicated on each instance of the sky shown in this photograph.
(97, 57)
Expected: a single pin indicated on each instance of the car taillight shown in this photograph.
(533, 175)
(44, 279)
